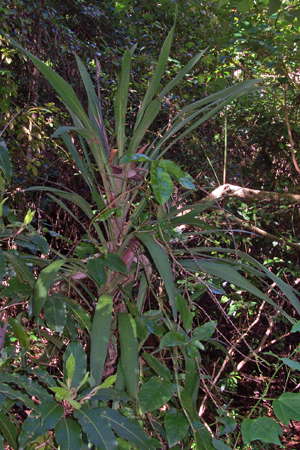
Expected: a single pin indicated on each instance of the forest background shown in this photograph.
(172, 322)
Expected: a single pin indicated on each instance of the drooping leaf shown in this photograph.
(97, 428)
(45, 280)
(228, 272)
(176, 426)
(129, 352)
(126, 428)
(287, 407)
(161, 261)
(100, 335)
(155, 393)
(62, 88)
(263, 429)
(30, 386)
(68, 434)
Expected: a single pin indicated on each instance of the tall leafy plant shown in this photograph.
(125, 238)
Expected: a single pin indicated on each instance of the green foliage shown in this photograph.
(84, 295)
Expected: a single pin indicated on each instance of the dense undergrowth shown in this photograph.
(138, 310)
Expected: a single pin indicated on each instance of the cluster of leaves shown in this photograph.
(129, 216)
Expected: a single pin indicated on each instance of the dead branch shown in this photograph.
(231, 190)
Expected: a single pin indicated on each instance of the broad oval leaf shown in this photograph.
(205, 332)
(295, 365)
(161, 184)
(174, 338)
(155, 393)
(263, 429)
(176, 426)
(96, 270)
(287, 407)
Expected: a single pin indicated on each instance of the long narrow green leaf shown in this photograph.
(126, 428)
(5, 162)
(96, 428)
(70, 196)
(62, 88)
(121, 100)
(15, 394)
(100, 335)
(236, 89)
(32, 388)
(150, 114)
(188, 116)
(229, 273)
(181, 74)
(162, 263)
(154, 85)
(95, 110)
(129, 353)
(43, 284)
(161, 370)
(9, 430)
